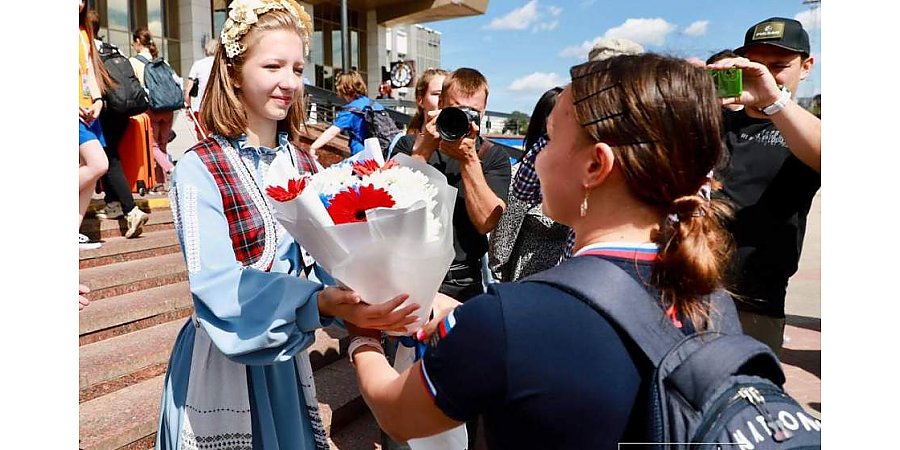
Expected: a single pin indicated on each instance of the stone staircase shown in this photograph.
(139, 301)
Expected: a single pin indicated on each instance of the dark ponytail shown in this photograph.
(143, 36)
(694, 248)
(661, 117)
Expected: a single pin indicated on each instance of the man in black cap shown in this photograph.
(773, 174)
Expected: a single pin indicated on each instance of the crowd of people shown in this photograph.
(627, 165)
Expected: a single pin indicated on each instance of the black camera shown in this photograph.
(453, 122)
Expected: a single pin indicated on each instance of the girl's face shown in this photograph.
(429, 102)
(271, 79)
(557, 163)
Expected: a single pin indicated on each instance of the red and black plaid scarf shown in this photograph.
(245, 224)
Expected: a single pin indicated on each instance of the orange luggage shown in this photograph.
(136, 154)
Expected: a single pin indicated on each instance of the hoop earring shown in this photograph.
(584, 203)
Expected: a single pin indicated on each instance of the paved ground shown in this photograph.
(802, 356)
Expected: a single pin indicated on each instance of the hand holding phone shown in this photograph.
(729, 82)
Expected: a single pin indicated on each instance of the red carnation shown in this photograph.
(294, 188)
(351, 205)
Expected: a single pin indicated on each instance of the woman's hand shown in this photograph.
(442, 306)
(347, 304)
(85, 115)
(82, 300)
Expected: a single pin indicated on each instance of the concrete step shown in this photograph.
(131, 312)
(361, 434)
(339, 400)
(118, 249)
(124, 417)
(131, 276)
(97, 229)
(114, 363)
(128, 417)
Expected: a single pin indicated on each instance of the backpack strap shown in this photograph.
(617, 296)
(142, 59)
(613, 293)
(486, 145)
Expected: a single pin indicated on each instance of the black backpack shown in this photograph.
(377, 124)
(710, 390)
(128, 98)
(159, 78)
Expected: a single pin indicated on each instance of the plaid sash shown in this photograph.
(247, 225)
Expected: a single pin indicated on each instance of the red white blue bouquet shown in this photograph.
(381, 229)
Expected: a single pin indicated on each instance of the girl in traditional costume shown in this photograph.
(239, 375)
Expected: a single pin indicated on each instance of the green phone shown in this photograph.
(729, 82)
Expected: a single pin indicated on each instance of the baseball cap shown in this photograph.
(778, 31)
(608, 47)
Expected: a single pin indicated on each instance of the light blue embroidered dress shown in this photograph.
(259, 320)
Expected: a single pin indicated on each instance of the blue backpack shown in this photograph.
(710, 390)
(159, 79)
(377, 124)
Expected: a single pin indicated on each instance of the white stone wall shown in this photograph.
(195, 17)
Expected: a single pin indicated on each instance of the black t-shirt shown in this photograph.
(771, 191)
(469, 244)
(544, 369)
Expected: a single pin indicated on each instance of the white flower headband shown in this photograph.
(243, 14)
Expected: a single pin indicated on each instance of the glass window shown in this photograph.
(336, 43)
(117, 14)
(154, 18)
(354, 48)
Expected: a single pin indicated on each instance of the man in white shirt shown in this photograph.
(199, 74)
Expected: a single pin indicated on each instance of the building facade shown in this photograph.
(181, 28)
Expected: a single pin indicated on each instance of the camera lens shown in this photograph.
(452, 123)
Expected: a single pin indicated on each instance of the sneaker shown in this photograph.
(84, 243)
(112, 210)
(136, 220)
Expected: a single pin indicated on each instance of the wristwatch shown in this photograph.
(779, 104)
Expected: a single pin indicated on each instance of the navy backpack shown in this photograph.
(713, 390)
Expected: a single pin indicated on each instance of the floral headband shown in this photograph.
(243, 14)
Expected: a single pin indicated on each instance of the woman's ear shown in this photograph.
(600, 165)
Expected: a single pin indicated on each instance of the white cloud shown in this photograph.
(536, 82)
(517, 19)
(586, 3)
(545, 26)
(697, 28)
(811, 19)
(554, 10)
(642, 31)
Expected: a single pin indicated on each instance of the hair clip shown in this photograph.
(242, 14)
(607, 117)
(598, 92)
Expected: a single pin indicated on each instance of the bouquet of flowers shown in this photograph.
(381, 229)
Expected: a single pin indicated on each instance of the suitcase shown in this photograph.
(136, 154)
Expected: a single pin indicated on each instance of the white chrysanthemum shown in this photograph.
(407, 186)
(334, 179)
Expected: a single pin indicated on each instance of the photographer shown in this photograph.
(480, 170)
(775, 150)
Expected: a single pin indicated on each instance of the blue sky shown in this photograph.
(524, 47)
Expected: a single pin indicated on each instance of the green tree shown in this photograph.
(516, 123)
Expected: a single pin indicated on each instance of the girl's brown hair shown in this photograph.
(85, 22)
(351, 85)
(143, 36)
(221, 110)
(418, 120)
(661, 118)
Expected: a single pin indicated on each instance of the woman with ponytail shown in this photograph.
(160, 121)
(630, 144)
